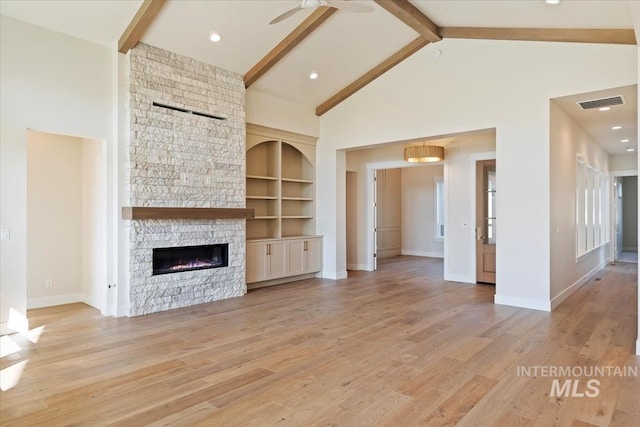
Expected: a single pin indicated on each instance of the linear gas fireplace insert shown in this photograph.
(187, 258)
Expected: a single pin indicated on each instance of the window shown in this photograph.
(592, 208)
(439, 208)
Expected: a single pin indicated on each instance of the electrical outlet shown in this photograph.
(185, 178)
(5, 234)
(48, 283)
(208, 180)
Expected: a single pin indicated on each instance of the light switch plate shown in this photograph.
(5, 234)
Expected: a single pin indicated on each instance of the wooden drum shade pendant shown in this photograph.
(424, 153)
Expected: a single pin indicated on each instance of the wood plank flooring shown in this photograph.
(399, 347)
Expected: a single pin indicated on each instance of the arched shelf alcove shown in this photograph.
(280, 183)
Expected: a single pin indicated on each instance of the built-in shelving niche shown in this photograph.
(280, 187)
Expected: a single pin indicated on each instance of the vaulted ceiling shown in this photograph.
(346, 49)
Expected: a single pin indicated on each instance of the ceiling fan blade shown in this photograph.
(349, 6)
(285, 15)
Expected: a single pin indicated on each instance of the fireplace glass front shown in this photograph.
(187, 258)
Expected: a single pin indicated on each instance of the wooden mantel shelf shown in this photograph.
(186, 213)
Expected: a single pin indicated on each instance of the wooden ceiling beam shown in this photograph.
(139, 24)
(411, 15)
(575, 35)
(372, 74)
(301, 32)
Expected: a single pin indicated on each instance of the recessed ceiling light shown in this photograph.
(624, 140)
(313, 75)
(616, 127)
(215, 37)
(631, 149)
(552, 1)
(604, 109)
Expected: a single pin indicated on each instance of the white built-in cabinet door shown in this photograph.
(297, 257)
(314, 255)
(266, 260)
(305, 256)
(257, 265)
(277, 259)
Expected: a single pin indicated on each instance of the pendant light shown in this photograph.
(424, 153)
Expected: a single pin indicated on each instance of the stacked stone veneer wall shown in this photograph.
(179, 159)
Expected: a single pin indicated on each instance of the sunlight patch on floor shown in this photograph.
(8, 346)
(10, 376)
(34, 334)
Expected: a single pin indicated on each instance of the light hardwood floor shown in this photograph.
(399, 347)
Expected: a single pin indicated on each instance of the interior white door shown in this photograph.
(375, 220)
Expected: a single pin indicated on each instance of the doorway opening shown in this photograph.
(457, 214)
(626, 218)
(66, 220)
(408, 213)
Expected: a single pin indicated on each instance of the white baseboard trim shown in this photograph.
(555, 301)
(630, 249)
(92, 302)
(54, 300)
(356, 266)
(422, 253)
(522, 302)
(122, 311)
(459, 278)
(334, 275)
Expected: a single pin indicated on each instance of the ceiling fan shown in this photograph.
(313, 4)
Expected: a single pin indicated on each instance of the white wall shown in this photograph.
(476, 85)
(419, 211)
(268, 110)
(568, 141)
(623, 162)
(94, 223)
(54, 219)
(629, 213)
(52, 83)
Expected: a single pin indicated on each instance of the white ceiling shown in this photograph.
(342, 49)
(528, 13)
(101, 21)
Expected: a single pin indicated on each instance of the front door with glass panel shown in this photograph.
(486, 221)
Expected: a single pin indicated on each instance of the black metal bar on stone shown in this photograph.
(187, 258)
(187, 111)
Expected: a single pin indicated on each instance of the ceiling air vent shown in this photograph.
(603, 102)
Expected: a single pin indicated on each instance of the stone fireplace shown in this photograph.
(186, 148)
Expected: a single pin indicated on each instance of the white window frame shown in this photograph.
(592, 208)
